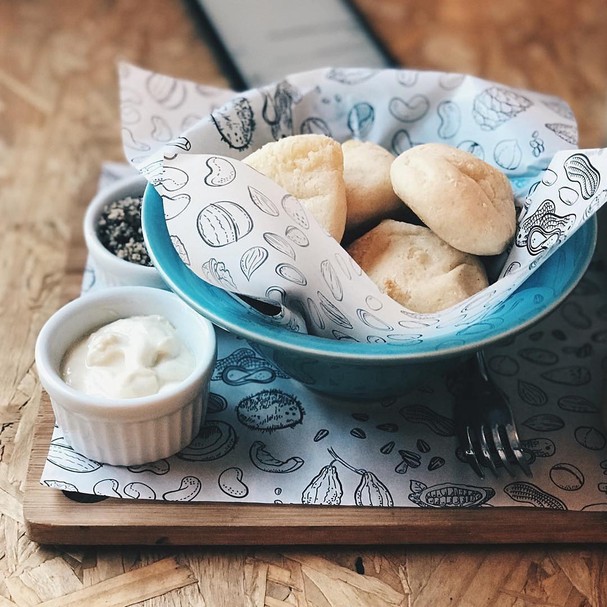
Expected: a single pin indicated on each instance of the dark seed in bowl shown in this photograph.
(119, 230)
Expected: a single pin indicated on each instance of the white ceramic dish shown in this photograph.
(111, 270)
(136, 430)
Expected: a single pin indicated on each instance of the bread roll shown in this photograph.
(461, 198)
(369, 194)
(416, 268)
(310, 168)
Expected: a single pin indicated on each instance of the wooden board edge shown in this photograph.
(53, 518)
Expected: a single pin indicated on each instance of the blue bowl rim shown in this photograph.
(158, 243)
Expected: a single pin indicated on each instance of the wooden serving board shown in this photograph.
(53, 518)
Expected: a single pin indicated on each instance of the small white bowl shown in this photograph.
(110, 270)
(134, 430)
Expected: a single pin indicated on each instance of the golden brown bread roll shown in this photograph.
(461, 198)
(416, 268)
(309, 167)
(369, 192)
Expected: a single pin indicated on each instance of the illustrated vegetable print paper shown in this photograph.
(268, 439)
(239, 231)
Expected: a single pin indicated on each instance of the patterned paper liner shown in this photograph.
(268, 439)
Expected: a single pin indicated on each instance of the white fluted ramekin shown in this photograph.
(110, 270)
(135, 430)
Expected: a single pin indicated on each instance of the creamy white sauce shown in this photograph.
(128, 358)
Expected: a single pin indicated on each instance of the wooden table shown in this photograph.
(59, 121)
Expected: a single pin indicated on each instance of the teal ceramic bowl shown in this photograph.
(358, 370)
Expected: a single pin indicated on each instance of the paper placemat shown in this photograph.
(268, 439)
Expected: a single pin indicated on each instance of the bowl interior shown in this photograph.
(535, 298)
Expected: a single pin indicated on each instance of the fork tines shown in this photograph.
(485, 422)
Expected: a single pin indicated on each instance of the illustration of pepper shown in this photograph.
(264, 460)
(324, 489)
(370, 491)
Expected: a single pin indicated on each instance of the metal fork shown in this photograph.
(485, 423)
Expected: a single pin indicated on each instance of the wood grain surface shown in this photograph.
(59, 120)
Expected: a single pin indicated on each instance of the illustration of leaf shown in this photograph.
(252, 259)
(577, 404)
(332, 281)
(531, 394)
(332, 312)
(570, 376)
(262, 202)
(545, 422)
(279, 243)
(181, 250)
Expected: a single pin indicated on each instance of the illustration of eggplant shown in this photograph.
(370, 490)
(265, 461)
(324, 489)
(449, 495)
(270, 410)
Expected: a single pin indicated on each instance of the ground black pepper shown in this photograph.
(119, 230)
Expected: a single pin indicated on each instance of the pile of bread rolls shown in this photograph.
(417, 224)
